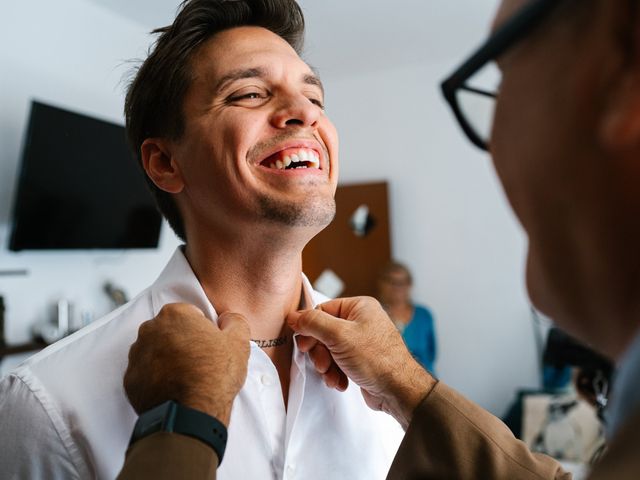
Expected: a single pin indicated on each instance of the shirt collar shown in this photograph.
(178, 283)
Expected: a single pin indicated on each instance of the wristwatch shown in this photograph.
(173, 417)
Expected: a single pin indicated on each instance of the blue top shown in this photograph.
(420, 337)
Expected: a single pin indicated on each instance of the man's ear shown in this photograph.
(620, 122)
(160, 166)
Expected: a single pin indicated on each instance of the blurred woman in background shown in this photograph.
(414, 322)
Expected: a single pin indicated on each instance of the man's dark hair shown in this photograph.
(155, 97)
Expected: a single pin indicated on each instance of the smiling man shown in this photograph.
(229, 125)
(564, 134)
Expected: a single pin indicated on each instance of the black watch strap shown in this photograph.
(173, 417)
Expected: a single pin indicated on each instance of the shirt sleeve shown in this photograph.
(31, 445)
(451, 437)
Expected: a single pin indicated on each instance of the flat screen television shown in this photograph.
(79, 187)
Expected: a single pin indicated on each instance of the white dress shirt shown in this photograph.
(64, 414)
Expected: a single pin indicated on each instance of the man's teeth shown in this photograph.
(308, 159)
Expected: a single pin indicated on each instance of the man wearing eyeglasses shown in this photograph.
(564, 133)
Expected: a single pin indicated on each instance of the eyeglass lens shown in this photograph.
(476, 100)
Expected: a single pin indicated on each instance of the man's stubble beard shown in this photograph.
(315, 212)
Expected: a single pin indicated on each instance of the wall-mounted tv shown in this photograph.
(79, 187)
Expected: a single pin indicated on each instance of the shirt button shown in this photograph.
(291, 469)
(266, 380)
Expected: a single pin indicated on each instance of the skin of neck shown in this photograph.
(255, 272)
(590, 282)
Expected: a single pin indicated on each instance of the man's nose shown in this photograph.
(295, 110)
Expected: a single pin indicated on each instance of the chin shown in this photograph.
(548, 300)
(541, 292)
(537, 286)
(315, 212)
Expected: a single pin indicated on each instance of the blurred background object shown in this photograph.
(2, 339)
(413, 321)
(564, 418)
(117, 295)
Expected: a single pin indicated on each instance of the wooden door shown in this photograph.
(355, 256)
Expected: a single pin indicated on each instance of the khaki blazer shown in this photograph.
(450, 437)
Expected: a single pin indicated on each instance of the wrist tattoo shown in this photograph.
(275, 342)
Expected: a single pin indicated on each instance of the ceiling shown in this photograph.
(346, 37)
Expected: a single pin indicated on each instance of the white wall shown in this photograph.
(450, 221)
(73, 54)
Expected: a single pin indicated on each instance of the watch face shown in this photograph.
(153, 420)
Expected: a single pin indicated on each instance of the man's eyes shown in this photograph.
(317, 102)
(251, 97)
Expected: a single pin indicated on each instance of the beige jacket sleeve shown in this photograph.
(451, 437)
(167, 456)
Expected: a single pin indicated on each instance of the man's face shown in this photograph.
(252, 113)
(544, 147)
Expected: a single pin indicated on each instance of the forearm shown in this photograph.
(407, 387)
(451, 437)
(168, 456)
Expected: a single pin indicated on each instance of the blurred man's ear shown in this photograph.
(160, 165)
(620, 125)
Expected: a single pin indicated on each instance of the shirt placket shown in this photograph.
(274, 413)
(296, 398)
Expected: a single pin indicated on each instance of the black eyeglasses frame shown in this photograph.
(521, 24)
